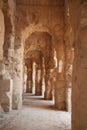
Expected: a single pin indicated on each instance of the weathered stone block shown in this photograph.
(60, 95)
(6, 87)
(2, 68)
(68, 99)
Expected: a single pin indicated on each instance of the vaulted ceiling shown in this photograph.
(41, 2)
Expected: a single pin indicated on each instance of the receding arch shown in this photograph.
(34, 28)
(35, 40)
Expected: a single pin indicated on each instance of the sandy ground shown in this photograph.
(36, 114)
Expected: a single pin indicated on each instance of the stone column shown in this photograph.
(29, 76)
(79, 90)
(69, 56)
(9, 38)
(18, 77)
(6, 86)
(9, 17)
(2, 32)
(38, 84)
(48, 85)
(60, 79)
(18, 70)
(78, 10)
(24, 78)
(49, 66)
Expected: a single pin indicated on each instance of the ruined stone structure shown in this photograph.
(46, 41)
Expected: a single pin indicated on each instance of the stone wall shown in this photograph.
(38, 18)
(69, 56)
(60, 78)
(2, 29)
(6, 49)
(21, 21)
(78, 13)
(41, 18)
(6, 87)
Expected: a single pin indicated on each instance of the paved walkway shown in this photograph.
(36, 114)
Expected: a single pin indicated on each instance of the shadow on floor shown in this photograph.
(33, 101)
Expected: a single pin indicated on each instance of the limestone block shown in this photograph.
(60, 95)
(6, 75)
(68, 99)
(17, 93)
(6, 94)
(29, 86)
(2, 68)
(10, 52)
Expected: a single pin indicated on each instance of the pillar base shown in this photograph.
(29, 87)
(60, 106)
(6, 87)
(48, 96)
(29, 91)
(17, 94)
(38, 89)
(38, 93)
(68, 99)
(60, 101)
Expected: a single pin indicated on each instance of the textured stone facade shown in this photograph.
(6, 87)
(52, 35)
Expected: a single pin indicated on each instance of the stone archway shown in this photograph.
(42, 41)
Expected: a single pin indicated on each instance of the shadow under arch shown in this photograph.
(34, 28)
(38, 40)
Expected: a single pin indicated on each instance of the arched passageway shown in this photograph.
(43, 52)
(39, 50)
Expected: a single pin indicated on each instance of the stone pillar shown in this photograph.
(18, 72)
(9, 17)
(6, 86)
(79, 90)
(2, 31)
(25, 79)
(78, 12)
(9, 38)
(48, 85)
(49, 66)
(60, 81)
(29, 76)
(69, 57)
(38, 84)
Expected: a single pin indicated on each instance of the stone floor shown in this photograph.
(36, 114)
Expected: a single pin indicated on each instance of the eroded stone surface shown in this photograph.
(38, 114)
(46, 30)
(6, 87)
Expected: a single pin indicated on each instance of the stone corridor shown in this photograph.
(37, 114)
(43, 51)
